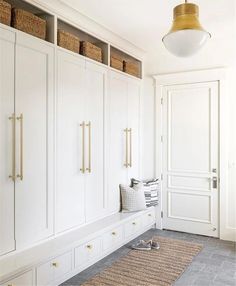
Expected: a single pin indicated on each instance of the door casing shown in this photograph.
(219, 75)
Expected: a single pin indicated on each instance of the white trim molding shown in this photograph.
(219, 75)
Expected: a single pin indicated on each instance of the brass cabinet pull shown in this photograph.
(126, 164)
(13, 175)
(21, 175)
(55, 264)
(89, 246)
(113, 233)
(83, 147)
(89, 148)
(130, 148)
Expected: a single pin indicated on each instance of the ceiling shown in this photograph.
(144, 22)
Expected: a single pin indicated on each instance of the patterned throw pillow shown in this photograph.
(151, 188)
(132, 200)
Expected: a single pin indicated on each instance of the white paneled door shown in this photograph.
(118, 110)
(124, 137)
(80, 190)
(34, 97)
(190, 158)
(70, 187)
(96, 81)
(7, 57)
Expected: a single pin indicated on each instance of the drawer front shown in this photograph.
(25, 279)
(54, 269)
(132, 227)
(63, 265)
(148, 218)
(87, 252)
(112, 238)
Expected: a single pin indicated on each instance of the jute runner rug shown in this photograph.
(149, 268)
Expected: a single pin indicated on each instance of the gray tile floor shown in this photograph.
(215, 265)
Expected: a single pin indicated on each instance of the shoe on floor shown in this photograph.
(142, 245)
(154, 245)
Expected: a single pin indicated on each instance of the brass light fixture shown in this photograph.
(186, 36)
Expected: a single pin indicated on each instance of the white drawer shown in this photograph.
(132, 227)
(112, 238)
(25, 279)
(148, 218)
(54, 269)
(87, 252)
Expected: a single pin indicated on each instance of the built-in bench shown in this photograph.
(62, 257)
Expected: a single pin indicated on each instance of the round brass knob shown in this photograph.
(55, 264)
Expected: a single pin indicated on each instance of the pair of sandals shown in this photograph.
(146, 245)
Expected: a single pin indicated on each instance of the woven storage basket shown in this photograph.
(29, 23)
(68, 41)
(132, 68)
(116, 62)
(5, 13)
(91, 51)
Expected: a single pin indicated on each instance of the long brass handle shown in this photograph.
(21, 175)
(126, 164)
(13, 175)
(83, 147)
(89, 169)
(130, 148)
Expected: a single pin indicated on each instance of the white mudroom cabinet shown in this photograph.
(7, 56)
(69, 135)
(124, 134)
(80, 189)
(26, 141)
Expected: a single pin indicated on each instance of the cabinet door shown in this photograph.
(34, 92)
(118, 109)
(70, 186)
(7, 56)
(134, 127)
(95, 96)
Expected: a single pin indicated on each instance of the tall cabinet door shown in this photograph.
(118, 156)
(34, 92)
(95, 98)
(7, 56)
(134, 128)
(71, 128)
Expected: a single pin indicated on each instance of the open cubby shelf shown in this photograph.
(38, 12)
(83, 36)
(124, 57)
(54, 23)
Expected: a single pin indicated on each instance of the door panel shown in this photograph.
(70, 188)
(118, 120)
(134, 125)
(190, 152)
(34, 157)
(95, 96)
(7, 57)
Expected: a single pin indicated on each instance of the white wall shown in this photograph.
(220, 51)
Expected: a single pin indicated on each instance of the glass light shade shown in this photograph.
(185, 43)
(186, 36)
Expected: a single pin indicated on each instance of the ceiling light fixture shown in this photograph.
(186, 36)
